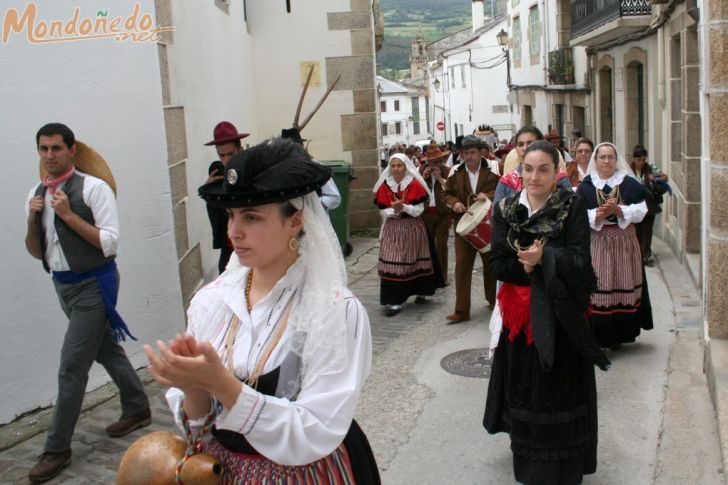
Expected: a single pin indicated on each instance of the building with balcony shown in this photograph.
(550, 88)
(644, 69)
(468, 80)
(659, 77)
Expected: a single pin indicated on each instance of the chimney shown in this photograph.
(478, 14)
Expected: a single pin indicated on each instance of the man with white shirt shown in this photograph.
(470, 181)
(73, 228)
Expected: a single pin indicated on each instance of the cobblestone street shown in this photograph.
(424, 423)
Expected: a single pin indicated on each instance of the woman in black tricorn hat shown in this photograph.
(277, 348)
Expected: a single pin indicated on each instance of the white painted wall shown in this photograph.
(109, 94)
(213, 84)
(392, 117)
(249, 73)
(470, 105)
(281, 42)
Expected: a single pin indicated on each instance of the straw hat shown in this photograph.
(89, 161)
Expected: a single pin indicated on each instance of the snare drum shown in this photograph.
(475, 225)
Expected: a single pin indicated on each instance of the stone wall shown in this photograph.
(716, 298)
(359, 129)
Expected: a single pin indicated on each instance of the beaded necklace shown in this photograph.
(272, 342)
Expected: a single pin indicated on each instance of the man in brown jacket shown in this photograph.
(472, 180)
(437, 215)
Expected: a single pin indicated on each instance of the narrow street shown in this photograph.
(657, 425)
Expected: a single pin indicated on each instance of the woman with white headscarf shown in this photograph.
(616, 201)
(408, 263)
(277, 349)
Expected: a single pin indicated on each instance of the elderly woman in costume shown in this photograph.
(542, 389)
(583, 150)
(616, 202)
(512, 179)
(277, 349)
(408, 263)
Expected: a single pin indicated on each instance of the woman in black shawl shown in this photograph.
(542, 389)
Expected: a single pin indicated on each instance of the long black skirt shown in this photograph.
(551, 416)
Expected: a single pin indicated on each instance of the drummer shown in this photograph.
(472, 180)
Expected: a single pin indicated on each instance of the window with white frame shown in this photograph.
(398, 128)
(384, 129)
(396, 105)
(517, 39)
(534, 32)
(462, 75)
(383, 106)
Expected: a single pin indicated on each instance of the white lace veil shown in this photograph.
(622, 165)
(318, 343)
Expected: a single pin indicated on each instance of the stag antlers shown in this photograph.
(316, 108)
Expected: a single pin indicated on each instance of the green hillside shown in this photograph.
(403, 19)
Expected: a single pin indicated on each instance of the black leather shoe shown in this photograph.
(49, 465)
(392, 311)
(127, 424)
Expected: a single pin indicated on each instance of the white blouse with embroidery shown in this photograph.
(632, 213)
(287, 432)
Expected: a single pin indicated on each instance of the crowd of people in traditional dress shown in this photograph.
(564, 272)
(277, 346)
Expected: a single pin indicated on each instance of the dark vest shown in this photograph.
(81, 255)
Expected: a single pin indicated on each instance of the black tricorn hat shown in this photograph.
(275, 170)
(292, 134)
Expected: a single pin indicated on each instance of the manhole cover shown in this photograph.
(468, 363)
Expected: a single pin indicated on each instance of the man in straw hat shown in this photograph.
(226, 140)
(437, 215)
(73, 228)
(472, 180)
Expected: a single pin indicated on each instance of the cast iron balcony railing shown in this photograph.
(561, 66)
(587, 15)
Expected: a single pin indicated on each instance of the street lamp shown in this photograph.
(436, 83)
(502, 38)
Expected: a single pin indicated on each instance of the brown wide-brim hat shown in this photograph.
(88, 161)
(553, 135)
(434, 154)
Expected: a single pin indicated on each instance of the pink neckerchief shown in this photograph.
(52, 184)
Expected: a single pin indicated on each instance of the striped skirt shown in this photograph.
(241, 468)
(620, 306)
(616, 259)
(404, 254)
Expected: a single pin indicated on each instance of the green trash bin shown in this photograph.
(341, 172)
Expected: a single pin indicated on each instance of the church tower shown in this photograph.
(418, 57)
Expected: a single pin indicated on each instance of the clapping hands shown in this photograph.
(531, 256)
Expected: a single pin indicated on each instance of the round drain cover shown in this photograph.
(468, 363)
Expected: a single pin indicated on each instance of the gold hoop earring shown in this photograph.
(293, 244)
